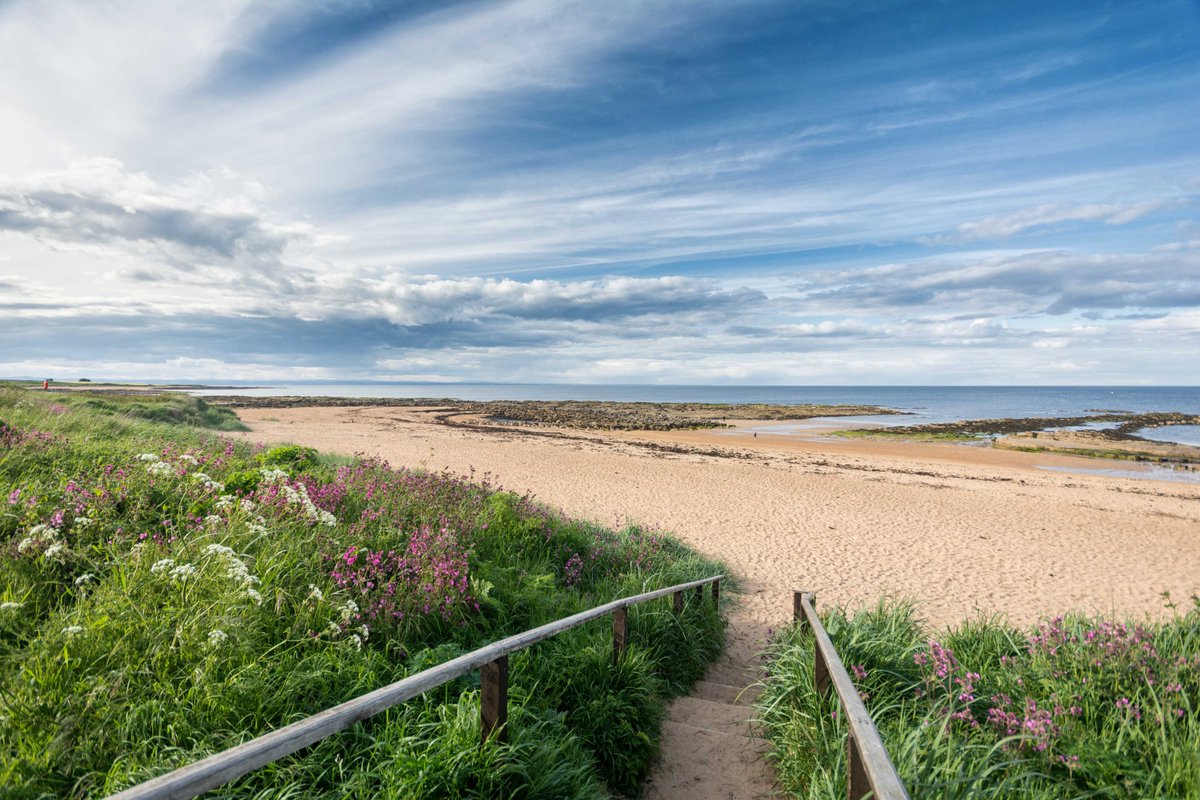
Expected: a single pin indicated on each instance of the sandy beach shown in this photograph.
(961, 530)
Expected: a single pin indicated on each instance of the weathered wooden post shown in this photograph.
(798, 606)
(858, 785)
(716, 592)
(678, 602)
(493, 700)
(620, 631)
(820, 670)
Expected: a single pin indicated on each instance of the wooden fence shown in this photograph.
(869, 770)
(491, 660)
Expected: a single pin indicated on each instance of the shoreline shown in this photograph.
(961, 530)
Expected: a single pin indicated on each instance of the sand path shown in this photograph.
(960, 530)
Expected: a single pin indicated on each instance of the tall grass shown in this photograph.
(1075, 707)
(166, 594)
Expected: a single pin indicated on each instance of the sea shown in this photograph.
(918, 404)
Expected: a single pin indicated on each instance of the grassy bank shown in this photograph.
(1074, 708)
(166, 594)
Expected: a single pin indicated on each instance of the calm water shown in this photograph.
(921, 404)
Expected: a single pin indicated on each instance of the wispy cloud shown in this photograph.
(599, 191)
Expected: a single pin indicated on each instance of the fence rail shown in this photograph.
(869, 769)
(492, 660)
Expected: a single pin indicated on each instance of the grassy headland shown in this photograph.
(166, 593)
(1076, 707)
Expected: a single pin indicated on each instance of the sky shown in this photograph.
(707, 192)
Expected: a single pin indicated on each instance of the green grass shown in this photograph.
(166, 594)
(1074, 708)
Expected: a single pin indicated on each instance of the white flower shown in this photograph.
(365, 631)
(83, 522)
(10, 604)
(160, 468)
(333, 629)
(183, 572)
(162, 565)
(219, 550)
(273, 474)
(200, 477)
(214, 486)
(188, 458)
(38, 534)
(349, 610)
(354, 637)
(147, 457)
(85, 579)
(256, 528)
(247, 504)
(217, 637)
(213, 519)
(72, 630)
(328, 519)
(314, 593)
(56, 552)
(255, 596)
(224, 502)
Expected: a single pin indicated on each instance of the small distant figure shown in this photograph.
(45, 384)
(756, 434)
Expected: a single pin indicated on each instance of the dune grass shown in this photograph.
(166, 594)
(1077, 707)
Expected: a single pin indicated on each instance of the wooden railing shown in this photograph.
(491, 660)
(869, 770)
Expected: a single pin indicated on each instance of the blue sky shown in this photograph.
(631, 192)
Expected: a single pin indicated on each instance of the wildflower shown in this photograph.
(273, 475)
(255, 596)
(247, 504)
(182, 572)
(357, 641)
(56, 552)
(10, 605)
(72, 630)
(162, 565)
(314, 593)
(860, 674)
(333, 629)
(326, 518)
(14, 497)
(365, 632)
(85, 579)
(213, 519)
(83, 522)
(349, 610)
(147, 457)
(224, 502)
(160, 468)
(257, 528)
(219, 550)
(189, 459)
(217, 637)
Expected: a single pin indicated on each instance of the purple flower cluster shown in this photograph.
(430, 578)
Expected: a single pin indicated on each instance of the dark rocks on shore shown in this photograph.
(579, 414)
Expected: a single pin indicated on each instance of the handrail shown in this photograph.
(220, 768)
(869, 769)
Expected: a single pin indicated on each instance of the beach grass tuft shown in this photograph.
(1074, 707)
